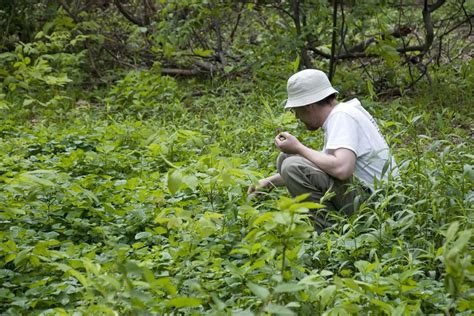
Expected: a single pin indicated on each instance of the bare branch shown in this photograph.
(467, 20)
(400, 32)
(180, 72)
(219, 48)
(428, 27)
(128, 15)
(332, 61)
(305, 60)
(343, 29)
(68, 10)
(469, 17)
(320, 52)
(234, 29)
(435, 6)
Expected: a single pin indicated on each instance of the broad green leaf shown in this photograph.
(9, 257)
(258, 290)
(167, 285)
(22, 256)
(387, 308)
(326, 273)
(32, 179)
(142, 235)
(452, 230)
(279, 310)
(288, 287)
(191, 181)
(459, 244)
(305, 206)
(183, 302)
(84, 281)
(155, 149)
(175, 179)
(203, 53)
(219, 304)
(263, 218)
(6, 294)
(327, 294)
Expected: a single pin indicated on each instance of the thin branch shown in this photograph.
(469, 17)
(199, 38)
(68, 10)
(467, 20)
(440, 49)
(146, 15)
(150, 10)
(305, 60)
(220, 51)
(119, 60)
(343, 29)
(332, 61)
(400, 14)
(180, 72)
(284, 11)
(320, 52)
(128, 15)
(428, 27)
(234, 29)
(434, 6)
(367, 72)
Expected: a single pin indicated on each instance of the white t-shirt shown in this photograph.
(350, 126)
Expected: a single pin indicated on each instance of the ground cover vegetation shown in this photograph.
(130, 131)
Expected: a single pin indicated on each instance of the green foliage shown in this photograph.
(131, 198)
(145, 90)
(37, 73)
(144, 210)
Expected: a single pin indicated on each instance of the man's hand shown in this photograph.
(254, 190)
(261, 185)
(268, 183)
(288, 143)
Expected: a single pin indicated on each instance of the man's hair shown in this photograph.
(327, 100)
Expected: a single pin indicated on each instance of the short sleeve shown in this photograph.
(342, 132)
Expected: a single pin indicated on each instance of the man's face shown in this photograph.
(309, 115)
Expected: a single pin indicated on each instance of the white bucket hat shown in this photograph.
(306, 87)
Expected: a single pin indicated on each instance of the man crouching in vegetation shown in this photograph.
(353, 145)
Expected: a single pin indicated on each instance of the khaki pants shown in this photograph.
(302, 176)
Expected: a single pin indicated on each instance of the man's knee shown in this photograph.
(296, 169)
(281, 158)
(292, 167)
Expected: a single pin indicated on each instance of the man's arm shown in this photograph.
(339, 163)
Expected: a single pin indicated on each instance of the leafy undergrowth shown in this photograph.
(103, 212)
